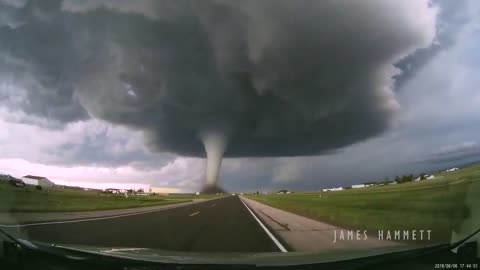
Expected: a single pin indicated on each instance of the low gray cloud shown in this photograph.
(457, 148)
(457, 152)
(276, 78)
(14, 3)
(452, 17)
(87, 143)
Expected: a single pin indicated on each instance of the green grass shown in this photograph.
(437, 204)
(27, 199)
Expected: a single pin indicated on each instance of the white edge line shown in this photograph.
(193, 214)
(100, 218)
(279, 245)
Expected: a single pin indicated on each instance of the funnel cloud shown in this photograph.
(215, 145)
(270, 78)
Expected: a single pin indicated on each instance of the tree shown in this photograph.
(386, 181)
(406, 178)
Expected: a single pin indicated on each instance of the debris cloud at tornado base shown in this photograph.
(215, 78)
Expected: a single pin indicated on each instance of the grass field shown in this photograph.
(27, 199)
(439, 204)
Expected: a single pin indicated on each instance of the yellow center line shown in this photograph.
(193, 214)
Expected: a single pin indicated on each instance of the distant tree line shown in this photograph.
(6, 177)
(409, 178)
(399, 179)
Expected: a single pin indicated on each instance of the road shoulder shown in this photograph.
(307, 235)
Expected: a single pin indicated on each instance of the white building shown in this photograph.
(359, 186)
(333, 189)
(452, 170)
(37, 181)
(116, 191)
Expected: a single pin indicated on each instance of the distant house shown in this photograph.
(115, 191)
(34, 180)
(428, 177)
(333, 189)
(283, 191)
(452, 170)
(359, 186)
(421, 177)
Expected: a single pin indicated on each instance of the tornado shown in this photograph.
(268, 78)
(215, 144)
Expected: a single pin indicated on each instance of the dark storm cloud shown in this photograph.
(38, 64)
(276, 78)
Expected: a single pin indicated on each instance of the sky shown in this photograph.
(301, 95)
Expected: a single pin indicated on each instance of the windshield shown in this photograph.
(219, 127)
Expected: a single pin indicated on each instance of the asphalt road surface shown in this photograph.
(221, 225)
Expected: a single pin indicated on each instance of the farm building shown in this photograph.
(359, 186)
(333, 189)
(37, 181)
(115, 191)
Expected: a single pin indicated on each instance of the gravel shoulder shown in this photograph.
(306, 235)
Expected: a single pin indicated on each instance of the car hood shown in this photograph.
(231, 258)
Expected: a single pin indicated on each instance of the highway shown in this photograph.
(220, 225)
